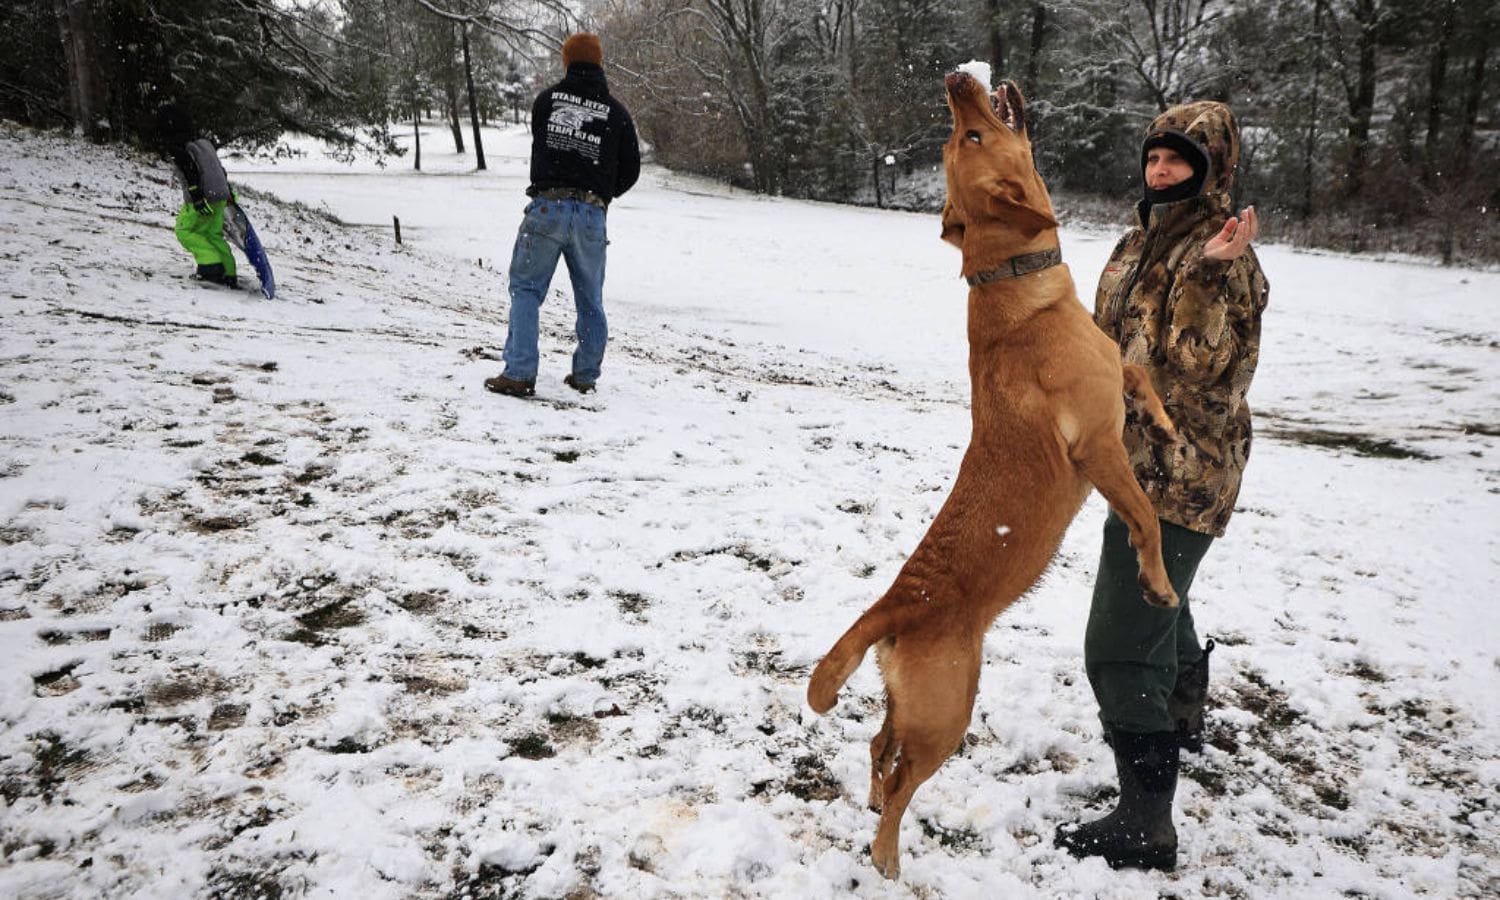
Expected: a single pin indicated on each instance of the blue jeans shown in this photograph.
(575, 231)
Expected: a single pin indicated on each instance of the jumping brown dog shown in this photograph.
(1048, 412)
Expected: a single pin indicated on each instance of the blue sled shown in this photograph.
(242, 234)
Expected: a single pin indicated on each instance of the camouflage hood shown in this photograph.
(1211, 126)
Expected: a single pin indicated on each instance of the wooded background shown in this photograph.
(1367, 124)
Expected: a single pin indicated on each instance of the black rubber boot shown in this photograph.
(1186, 702)
(1139, 833)
(212, 273)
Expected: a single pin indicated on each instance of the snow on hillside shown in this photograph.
(290, 606)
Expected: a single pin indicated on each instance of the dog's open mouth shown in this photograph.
(1005, 101)
(1008, 106)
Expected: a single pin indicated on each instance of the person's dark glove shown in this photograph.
(201, 206)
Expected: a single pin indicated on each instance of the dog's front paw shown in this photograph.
(1163, 597)
(1162, 432)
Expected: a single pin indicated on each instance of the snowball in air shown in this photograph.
(980, 71)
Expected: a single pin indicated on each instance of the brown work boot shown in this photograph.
(582, 387)
(510, 386)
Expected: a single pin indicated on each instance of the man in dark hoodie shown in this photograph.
(1182, 294)
(584, 154)
(205, 193)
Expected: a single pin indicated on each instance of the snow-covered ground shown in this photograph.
(290, 606)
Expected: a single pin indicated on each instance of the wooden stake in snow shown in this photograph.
(397, 221)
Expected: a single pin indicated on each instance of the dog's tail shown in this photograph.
(1141, 397)
(879, 621)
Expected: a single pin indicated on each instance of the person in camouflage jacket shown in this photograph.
(1182, 294)
(1193, 322)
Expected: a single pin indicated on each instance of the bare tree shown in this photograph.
(1355, 29)
(450, 85)
(1437, 74)
(994, 34)
(513, 24)
(1483, 36)
(1038, 36)
(702, 59)
(87, 90)
(745, 37)
(835, 34)
(1161, 43)
(463, 32)
(1310, 144)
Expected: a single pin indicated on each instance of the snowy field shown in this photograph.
(290, 606)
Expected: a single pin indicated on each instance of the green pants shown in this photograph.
(203, 236)
(1131, 650)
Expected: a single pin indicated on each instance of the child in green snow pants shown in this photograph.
(203, 235)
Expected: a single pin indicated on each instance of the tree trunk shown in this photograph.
(1473, 94)
(755, 121)
(416, 133)
(473, 101)
(455, 122)
(87, 92)
(740, 28)
(853, 57)
(450, 94)
(1311, 144)
(996, 39)
(1038, 33)
(875, 177)
(1437, 75)
(1362, 98)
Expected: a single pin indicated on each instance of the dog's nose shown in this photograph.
(954, 79)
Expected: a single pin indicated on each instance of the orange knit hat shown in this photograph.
(582, 47)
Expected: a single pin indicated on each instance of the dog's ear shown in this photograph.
(953, 226)
(1008, 201)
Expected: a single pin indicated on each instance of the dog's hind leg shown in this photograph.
(883, 748)
(1103, 461)
(916, 764)
(932, 691)
(1141, 397)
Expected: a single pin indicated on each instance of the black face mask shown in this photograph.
(1182, 191)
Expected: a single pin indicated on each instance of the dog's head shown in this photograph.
(993, 185)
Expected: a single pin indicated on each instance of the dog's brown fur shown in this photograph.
(1048, 413)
